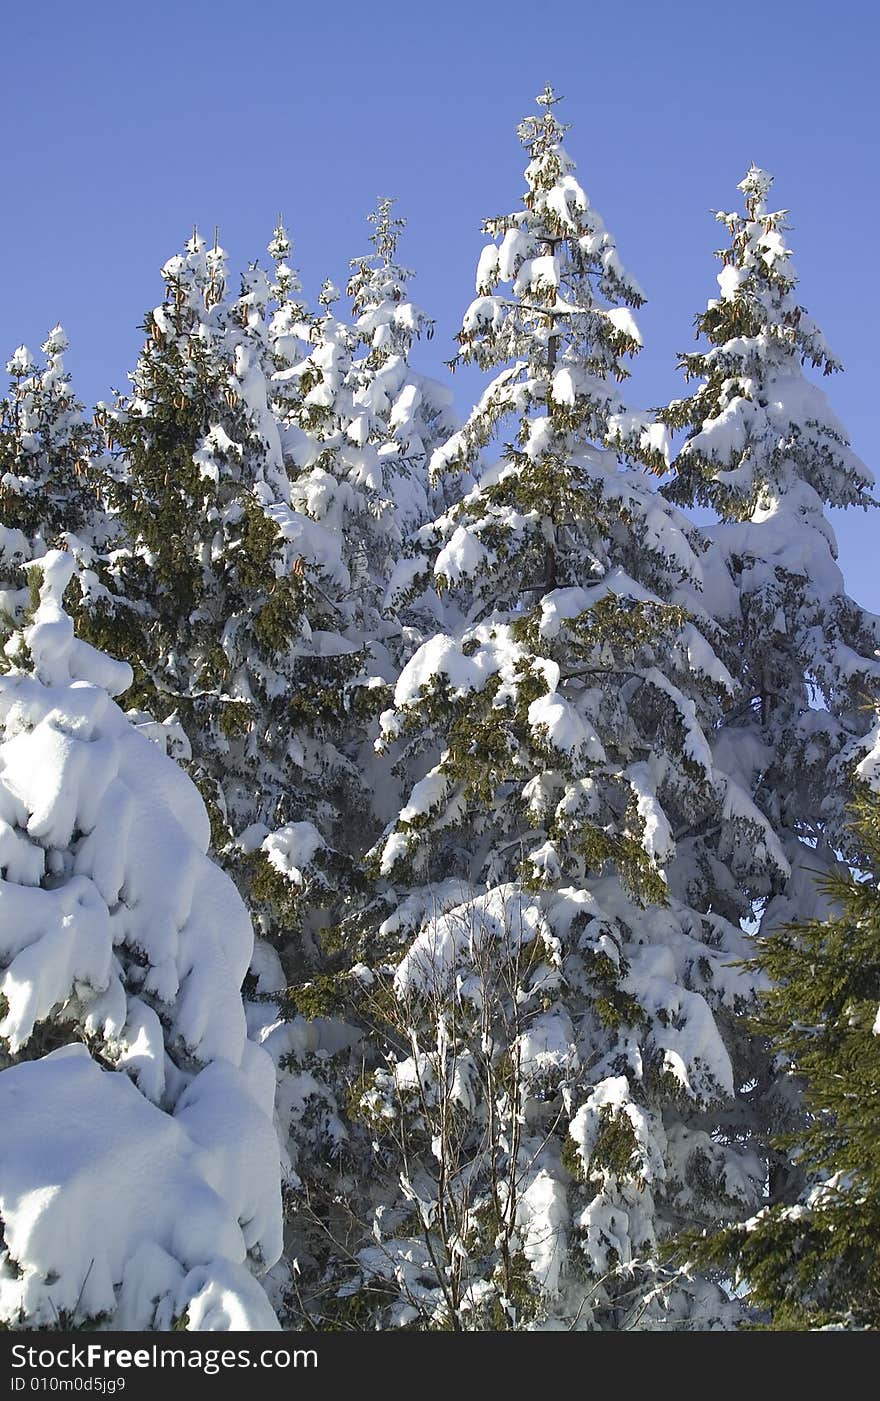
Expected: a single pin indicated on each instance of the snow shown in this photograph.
(730, 279)
(404, 577)
(440, 656)
(516, 245)
(701, 659)
(154, 1188)
(122, 1205)
(466, 664)
(427, 794)
(622, 319)
(504, 918)
(868, 767)
(314, 541)
(567, 200)
(657, 832)
(683, 1029)
(553, 718)
(738, 806)
(461, 556)
(609, 1098)
(487, 270)
(537, 276)
(547, 1047)
(114, 923)
(53, 942)
(214, 451)
(292, 849)
(483, 314)
(543, 1216)
(560, 606)
(428, 901)
(427, 797)
(696, 746)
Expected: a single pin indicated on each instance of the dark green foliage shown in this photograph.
(815, 1263)
(211, 604)
(49, 484)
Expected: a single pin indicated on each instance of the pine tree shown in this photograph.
(51, 480)
(139, 1167)
(360, 436)
(815, 1263)
(223, 594)
(357, 426)
(400, 416)
(570, 1080)
(765, 451)
(291, 327)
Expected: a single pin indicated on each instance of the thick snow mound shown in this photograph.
(108, 1202)
(505, 919)
(117, 927)
(110, 911)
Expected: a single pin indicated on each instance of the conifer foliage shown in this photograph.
(765, 450)
(51, 483)
(509, 765)
(569, 1022)
(360, 435)
(815, 1263)
(220, 594)
(206, 575)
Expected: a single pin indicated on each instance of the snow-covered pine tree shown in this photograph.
(51, 485)
(223, 585)
(569, 1087)
(357, 426)
(235, 637)
(401, 416)
(291, 326)
(766, 452)
(139, 1168)
(359, 437)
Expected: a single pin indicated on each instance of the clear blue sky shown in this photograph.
(124, 124)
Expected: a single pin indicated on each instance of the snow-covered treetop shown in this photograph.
(291, 324)
(540, 517)
(573, 593)
(765, 450)
(196, 279)
(287, 280)
(554, 194)
(47, 414)
(201, 473)
(757, 423)
(755, 185)
(189, 319)
(359, 422)
(759, 252)
(252, 361)
(208, 359)
(397, 415)
(385, 318)
(554, 305)
(46, 448)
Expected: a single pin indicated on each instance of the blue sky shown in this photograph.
(126, 124)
